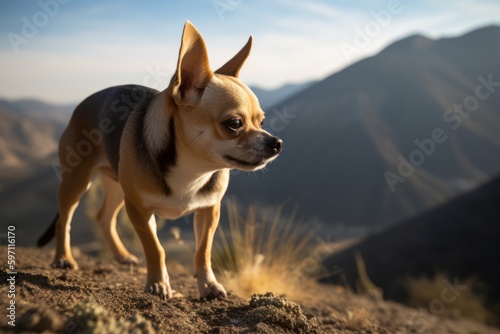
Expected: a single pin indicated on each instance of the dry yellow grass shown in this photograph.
(436, 297)
(262, 253)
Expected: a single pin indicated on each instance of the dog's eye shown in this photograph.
(234, 124)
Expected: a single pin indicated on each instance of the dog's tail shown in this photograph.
(49, 234)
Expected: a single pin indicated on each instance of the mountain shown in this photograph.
(271, 97)
(30, 204)
(459, 239)
(381, 140)
(29, 135)
(39, 110)
(29, 131)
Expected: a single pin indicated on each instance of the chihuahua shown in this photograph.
(167, 153)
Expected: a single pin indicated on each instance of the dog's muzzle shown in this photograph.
(271, 147)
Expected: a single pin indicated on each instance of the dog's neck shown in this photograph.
(187, 173)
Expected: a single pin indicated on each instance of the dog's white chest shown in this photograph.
(173, 207)
(185, 198)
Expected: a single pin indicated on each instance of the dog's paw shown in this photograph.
(127, 259)
(161, 289)
(211, 290)
(64, 263)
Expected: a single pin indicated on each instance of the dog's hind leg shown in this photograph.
(72, 187)
(106, 217)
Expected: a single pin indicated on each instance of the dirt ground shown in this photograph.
(105, 297)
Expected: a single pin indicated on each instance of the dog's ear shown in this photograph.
(193, 70)
(233, 66)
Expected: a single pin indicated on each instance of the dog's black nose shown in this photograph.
(276, 145)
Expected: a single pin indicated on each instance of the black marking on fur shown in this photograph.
(49, 234)
(116, 105)
(167, 157)
(210, 185)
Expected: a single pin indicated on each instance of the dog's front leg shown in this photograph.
(205, 224)
(145, 225)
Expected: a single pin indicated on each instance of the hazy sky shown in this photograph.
(64, 50)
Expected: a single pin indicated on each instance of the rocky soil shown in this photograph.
(105, 297)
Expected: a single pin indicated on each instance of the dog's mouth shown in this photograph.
(254, 159)
(254, 163)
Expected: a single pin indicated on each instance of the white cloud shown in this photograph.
(319, 10)
(70, 75)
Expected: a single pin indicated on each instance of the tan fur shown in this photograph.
(174, 157)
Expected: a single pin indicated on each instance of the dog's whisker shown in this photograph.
(210, 156)
(192, 141)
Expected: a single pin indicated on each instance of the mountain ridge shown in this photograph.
(346, 131)
(271, 97)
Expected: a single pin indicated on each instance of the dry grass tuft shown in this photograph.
(360, 317)
(259, 254)
(438, 296)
